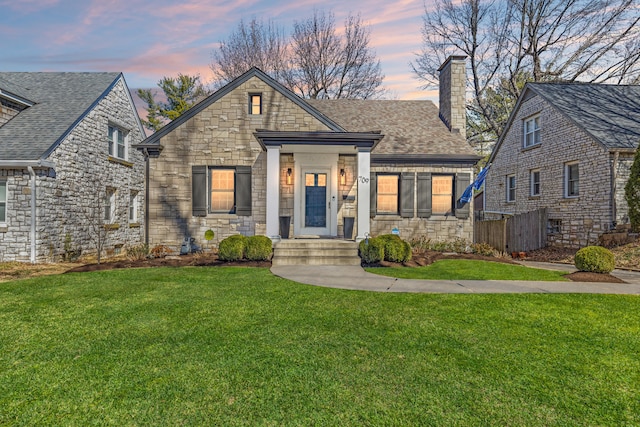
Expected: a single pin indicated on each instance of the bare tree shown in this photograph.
(252, 44)
(316, 62)
(509, 42)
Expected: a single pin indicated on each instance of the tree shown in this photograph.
(315, 62)
(632, 192)
(251, 44)
(182, 93)
(538, 40)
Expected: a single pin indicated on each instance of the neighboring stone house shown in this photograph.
(567, 147)
(69, 177)
(254, 156)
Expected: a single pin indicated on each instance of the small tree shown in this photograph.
(632, 192)
(182, 93)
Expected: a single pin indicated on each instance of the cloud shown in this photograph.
(27, 6)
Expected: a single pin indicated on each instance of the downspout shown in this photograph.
(33, 214)
(145, 152)
(614, 185)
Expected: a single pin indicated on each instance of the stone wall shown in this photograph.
(69, 197)
(452, 94)
(8, 110)
(221, 135)
(436, 227)
(582, 219)
(623, 172)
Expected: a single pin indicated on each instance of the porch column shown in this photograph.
(273, 192)
(364, 175)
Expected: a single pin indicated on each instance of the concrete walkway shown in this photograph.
(355, 278)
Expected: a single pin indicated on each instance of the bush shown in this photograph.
(371, 250)
(138, 252)
(258, 248)
(395, 249)
(484, 249)
(232, 248)
(595, 259)
(160, 251)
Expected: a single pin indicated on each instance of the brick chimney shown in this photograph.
(453, 82)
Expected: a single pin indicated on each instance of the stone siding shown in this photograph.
(582, 219)
(437, 227)
(452, 99)
(69, 196)
(8, 110)
(221, 135)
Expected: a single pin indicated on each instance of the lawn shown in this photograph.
(240, 347)
(467, 269)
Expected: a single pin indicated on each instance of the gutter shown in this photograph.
(17, 164)
(32, 234)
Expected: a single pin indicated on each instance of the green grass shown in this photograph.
(239, 347)
(466, 269)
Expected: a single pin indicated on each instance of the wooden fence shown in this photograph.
(519, 233)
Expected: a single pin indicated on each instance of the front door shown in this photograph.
(315, 197)
(315, 209)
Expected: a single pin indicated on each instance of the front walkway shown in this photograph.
(355, 278)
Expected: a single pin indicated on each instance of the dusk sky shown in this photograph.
(147, 40)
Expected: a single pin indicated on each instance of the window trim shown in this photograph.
(452, 206)
(210, 170)
(535, 119)
(510, 189)
(252, 105)
(398, 192)
(568, 181)
(112, 136)
(3, 182)
(533, 183)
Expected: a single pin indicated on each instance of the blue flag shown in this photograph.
(468, 192)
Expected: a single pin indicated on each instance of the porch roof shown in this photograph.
(341, 142)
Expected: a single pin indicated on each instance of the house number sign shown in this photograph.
(363, 179)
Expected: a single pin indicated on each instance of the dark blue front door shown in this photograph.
(315, 211)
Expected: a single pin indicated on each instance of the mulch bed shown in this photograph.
(418, 260)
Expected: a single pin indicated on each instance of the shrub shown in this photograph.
(232, 248)
(595, 259)
(160, 251)
(395, 249)
(371, 250)
(484, 249)
(138, 252)
(258, 248)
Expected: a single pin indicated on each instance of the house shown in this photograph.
(567, 147)
(70, 180)
(254, 158)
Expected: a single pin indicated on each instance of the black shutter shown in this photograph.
(199, 190)
(373, 190)
(406, 194)
(424, 194)
(243, 190)
(462, 182)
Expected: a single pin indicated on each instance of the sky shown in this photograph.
(149, 39)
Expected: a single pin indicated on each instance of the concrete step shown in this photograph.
(315, 252)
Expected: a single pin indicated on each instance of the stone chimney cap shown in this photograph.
(452, 58)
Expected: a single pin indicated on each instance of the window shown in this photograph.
(222, 186)
(387, 199)
(109, 205)
(442, 194)
(511, 188)
(554, 226)
(3, 202)
(535, 183)
(133, 207)
(117, 142)
(571, 180)
(531, 131)
(255, 103)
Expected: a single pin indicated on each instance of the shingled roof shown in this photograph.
(60, 101)
(609, 113)
(409, 127)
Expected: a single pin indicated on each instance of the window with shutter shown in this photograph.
(199, 190)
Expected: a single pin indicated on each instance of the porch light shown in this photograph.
(343, 178)
(289, 179)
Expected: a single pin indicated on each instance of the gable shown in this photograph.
(60, 101)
